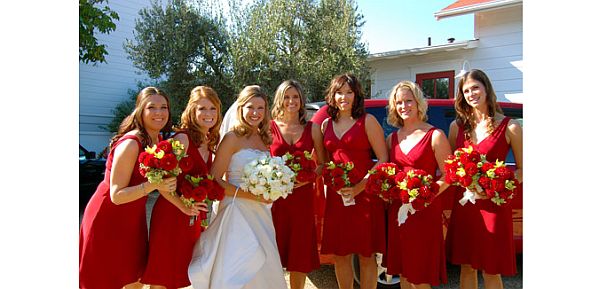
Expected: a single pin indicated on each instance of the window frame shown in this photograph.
(436, 75)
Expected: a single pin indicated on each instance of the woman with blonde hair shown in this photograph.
(480, 235)
(415, 248)
(113, 236)
(172, 237)
(239, 250)
(294, 216)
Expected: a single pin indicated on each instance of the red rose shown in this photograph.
(497, 185)
(217, 193)
(504, 173)
(354, 176)
(413, 182)
(399, 177)
(485, 182)
(202, 215)
(142, 158)
(168, 162)
(338, 183)
(186, 164)
(337, 172)
(465, 181)
(404, 197)
(165, 146)
(487, 166)
(199, 193)
(186, 189)
(471, 169)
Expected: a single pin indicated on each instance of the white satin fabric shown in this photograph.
(238, 250)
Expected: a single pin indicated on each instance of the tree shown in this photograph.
(92, 18)
(184, 46)
(308, 40)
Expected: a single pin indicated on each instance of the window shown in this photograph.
(437, 84)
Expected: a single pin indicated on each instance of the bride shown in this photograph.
(238, 250)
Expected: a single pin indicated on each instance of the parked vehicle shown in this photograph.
(91, 173)
(440, 114)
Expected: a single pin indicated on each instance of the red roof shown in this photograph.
(465, 3)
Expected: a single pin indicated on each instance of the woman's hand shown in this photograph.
(194, 209)
(167, 186)
(348, 192)
(300, 184)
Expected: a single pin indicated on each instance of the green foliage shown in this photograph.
(307, 40)
(92, 19)
(183, 45)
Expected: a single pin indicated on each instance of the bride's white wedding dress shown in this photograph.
(238, 250)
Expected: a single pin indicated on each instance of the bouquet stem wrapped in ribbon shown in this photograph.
(268, 177)
(201, 189)
(462, 168)
(417, 191)
(303, 165)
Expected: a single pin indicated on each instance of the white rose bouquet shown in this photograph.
(268, 177)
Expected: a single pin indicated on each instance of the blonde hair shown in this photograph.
(189, 123)
(278, 107)
(393, 117)
(243, 128)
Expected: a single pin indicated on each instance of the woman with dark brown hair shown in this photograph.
(172, 238)
(480, 235)
(354, 222)
(113, 236)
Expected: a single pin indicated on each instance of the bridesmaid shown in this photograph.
(113, 236)
(350, 134)
(416, 248)
(294, 217)
(480, 235)
(172, 239)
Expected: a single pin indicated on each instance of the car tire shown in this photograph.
(384, 281)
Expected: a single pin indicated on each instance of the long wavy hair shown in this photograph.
(358, 105)
(135, 121)
(393, 117)
(278, 106)
(465, 113)
(243, 128)
(189, 122)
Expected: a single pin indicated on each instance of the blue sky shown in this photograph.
(401, 24)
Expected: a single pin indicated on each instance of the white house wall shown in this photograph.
(104, 85)
(499, 53)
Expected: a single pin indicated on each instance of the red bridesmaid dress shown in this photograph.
(481, 234)
(359, 228)
(294, 216)
(172, 239)
(113, 238)
(416, 248)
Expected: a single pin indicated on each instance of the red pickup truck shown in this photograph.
(440, 114)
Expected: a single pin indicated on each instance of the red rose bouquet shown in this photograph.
(201, 189)
(417, 191)
(303, 165)
(167, 158)
(382, 180)
(463, 169)
(498, 182)
(339, 175)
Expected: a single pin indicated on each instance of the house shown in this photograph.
(496, 48)
(104, 85)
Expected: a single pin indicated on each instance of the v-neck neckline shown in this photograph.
(343, 134)
(283, 138)
(416, 144)
(492, 133)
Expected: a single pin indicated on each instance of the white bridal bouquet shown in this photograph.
(268, 177)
